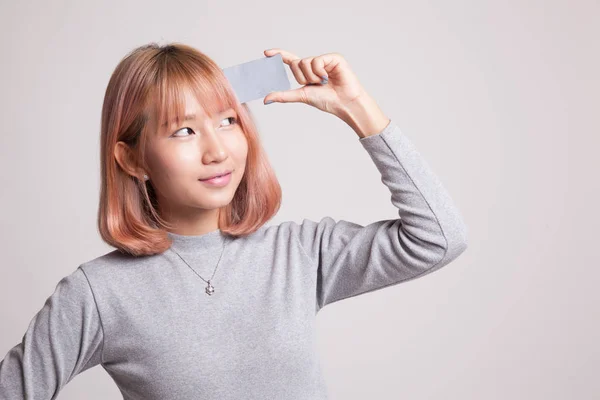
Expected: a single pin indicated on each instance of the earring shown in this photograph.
(146, 177)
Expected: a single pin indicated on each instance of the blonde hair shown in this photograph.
(152, 78)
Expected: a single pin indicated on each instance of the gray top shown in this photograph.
(150, 324)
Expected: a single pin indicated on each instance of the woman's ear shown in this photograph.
(126, 161)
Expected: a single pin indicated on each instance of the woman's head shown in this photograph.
(146, 131)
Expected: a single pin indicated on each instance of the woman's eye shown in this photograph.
(232, 118)
(181, 130)
(234, 121)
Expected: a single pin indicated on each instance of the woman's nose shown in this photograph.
(213, 146)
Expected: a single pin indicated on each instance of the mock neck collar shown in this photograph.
(189, 243)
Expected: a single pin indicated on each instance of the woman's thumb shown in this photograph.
(286, 96)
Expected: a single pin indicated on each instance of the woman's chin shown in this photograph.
(214, 200)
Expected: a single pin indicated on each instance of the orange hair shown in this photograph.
(152, 78)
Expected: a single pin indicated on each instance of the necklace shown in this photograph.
(210, 289)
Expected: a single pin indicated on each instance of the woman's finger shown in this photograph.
(291, 60)
(287, 56)
(287, 96)
(297, 71)
(306, 67)
(318, 67)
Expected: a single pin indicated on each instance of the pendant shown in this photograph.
(210, 289)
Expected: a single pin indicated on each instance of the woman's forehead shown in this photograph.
(184, 108)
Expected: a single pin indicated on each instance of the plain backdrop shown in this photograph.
(501, 98)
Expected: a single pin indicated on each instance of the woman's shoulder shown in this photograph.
(116, 264)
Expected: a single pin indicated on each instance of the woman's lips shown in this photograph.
(218, 181)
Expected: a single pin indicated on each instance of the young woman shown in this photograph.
(200, 299)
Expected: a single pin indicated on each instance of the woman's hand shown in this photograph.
(334, 95)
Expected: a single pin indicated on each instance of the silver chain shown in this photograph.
(209, 288)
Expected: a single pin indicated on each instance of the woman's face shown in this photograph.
(179, 156)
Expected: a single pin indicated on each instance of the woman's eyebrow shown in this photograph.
(189, 117)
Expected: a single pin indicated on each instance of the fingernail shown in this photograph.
(269, 102)
(325, 80)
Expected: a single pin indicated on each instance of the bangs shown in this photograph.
(167, 100)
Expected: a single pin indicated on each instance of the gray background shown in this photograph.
(501, 98)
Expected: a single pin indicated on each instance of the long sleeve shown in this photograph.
(351, 259)
(63, 339)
